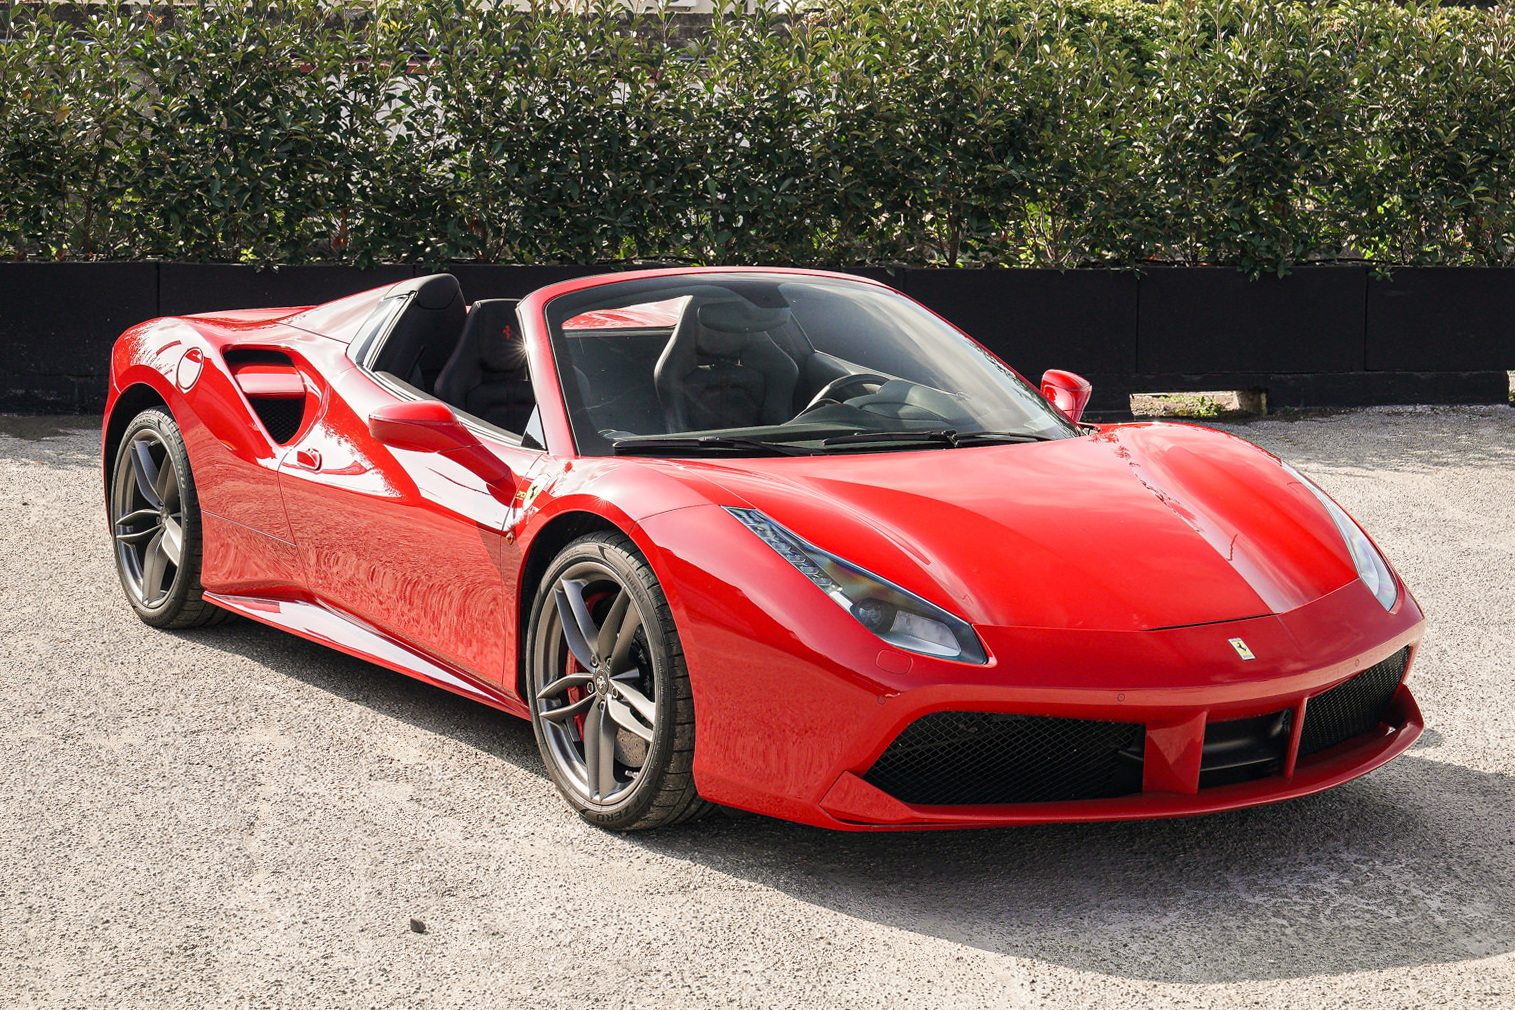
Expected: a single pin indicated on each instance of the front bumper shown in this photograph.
(794, 705)
(854, 803)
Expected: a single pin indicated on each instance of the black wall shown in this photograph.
(1322, 336)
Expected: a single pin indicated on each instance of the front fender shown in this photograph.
(623, 493)
(774, 665)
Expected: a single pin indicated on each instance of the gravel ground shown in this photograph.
(235, 817)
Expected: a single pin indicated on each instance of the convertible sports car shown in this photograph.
(779, 540)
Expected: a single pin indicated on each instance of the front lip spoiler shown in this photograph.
(855, 805)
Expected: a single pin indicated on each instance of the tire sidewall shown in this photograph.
(667, 665)
(186, 577)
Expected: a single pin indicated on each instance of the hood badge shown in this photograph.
(1241, 648)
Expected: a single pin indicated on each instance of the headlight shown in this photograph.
(1371, 567)
(895, 615)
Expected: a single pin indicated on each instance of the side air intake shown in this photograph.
(1353, 708)
(274, 388)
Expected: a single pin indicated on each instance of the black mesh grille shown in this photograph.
(1353, 708)
(986, 757)
(280, 416)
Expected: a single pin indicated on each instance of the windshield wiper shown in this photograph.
(977, 437)
(947, 436)
(705, 443)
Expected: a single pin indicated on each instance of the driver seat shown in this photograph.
(721, 369)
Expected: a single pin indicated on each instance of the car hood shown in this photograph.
(1136, 527)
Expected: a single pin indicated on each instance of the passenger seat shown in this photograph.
(487, 374)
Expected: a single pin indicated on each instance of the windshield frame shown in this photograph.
(559, 304)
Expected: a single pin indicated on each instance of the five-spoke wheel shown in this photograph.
(155, 521)
(609, 692)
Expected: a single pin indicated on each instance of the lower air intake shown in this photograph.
(1353, 708)
(972, 758)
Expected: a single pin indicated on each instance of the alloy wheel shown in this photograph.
(595, 691)
(147, 518)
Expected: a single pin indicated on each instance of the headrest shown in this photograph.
(435, 291)
(741, 317)
(499, 346)
(505, 354)
(722, 345)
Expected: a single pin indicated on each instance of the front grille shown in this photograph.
(970, 758)
(1353, 708)
(280, 415)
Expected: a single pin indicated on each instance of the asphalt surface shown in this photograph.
(236, 817)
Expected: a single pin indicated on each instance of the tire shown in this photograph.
(600, 596)
(155, 525)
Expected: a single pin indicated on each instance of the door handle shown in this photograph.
(310, 459)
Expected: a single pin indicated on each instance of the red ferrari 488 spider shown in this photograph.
(780, 540)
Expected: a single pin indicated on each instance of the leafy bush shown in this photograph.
(1031, 132)
(1243, 123)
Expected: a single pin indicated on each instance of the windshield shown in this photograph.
(744, 363)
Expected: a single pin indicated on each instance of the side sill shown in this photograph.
(346, 634)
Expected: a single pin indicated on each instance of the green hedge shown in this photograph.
(1060, 132)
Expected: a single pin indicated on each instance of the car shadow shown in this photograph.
(1413, 865)
(66, 440)
(377, 688)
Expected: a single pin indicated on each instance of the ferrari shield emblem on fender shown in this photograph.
(1241, 648)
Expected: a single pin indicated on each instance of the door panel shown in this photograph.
(411, 542)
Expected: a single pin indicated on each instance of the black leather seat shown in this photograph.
(721, 369)
(487, 374)
(427, 331)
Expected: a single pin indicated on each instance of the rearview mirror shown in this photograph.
(1068, 392)
(431, 426)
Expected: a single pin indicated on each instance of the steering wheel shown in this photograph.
(830, 390)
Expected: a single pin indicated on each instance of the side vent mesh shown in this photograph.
(281, 417)
(1353, 708)
(951, 758)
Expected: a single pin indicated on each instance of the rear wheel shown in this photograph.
(155, 520)
(609, 691)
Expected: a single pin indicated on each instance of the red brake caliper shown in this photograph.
(573, 667)
(575, 693)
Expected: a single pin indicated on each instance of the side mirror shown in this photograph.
(1069, 393)
(420, 426)
(431, 426)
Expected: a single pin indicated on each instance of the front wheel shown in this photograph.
(609, 691)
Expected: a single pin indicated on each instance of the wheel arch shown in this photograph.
(133, 400)
(557, 533)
